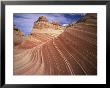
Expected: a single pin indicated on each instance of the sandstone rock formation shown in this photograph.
(18, 35)
(43, 23)
(42, 18)
(90, 19)
(73, 52)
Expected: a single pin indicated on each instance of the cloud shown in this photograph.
(65, 25)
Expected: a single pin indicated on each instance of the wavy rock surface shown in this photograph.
(73, 52)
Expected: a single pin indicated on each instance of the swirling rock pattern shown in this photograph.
(73, 52)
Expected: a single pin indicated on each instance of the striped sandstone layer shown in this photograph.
(73, 52)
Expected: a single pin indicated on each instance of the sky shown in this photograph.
(25, 21)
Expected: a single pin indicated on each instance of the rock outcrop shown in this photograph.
(18, 35)
(89, 19)
(42, 18)
(43, 23)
